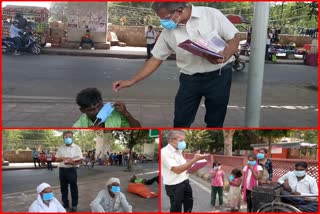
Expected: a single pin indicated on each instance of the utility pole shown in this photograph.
(256, 65)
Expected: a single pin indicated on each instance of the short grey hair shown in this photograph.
(171, 6)
(173, 133)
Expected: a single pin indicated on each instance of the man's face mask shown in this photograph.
(182, 145)
(68, 140)
(115, 189)
(300, 173)
(168, 23)
(47, 196)
(104, 113)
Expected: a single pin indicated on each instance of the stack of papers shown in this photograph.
(198, 165)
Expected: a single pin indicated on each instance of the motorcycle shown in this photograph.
(238, 65)
(29, 43)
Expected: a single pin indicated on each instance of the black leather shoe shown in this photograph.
(74, 209)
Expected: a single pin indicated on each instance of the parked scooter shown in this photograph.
(238, 65)
(29, 43)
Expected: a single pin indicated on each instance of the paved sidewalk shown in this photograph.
(62, 112)
(88, 190)
(134, 53)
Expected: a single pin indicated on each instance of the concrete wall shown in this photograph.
(82, 16)
(135, 36)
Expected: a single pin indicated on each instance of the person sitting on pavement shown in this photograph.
(90, 103)
(87, 38)
(299, 183)
(46, 202)
(111, 199)
(134, 179)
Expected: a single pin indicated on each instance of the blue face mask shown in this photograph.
(47, 196)
(260, 156)
(115, 189)
(251, 163)
(68, 140)
(168, 24)
(231, 178)
(105, 112)
(182, 145)
(300, 173)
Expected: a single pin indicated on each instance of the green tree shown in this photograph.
(131, 138)
(197, 140)
(273, 135)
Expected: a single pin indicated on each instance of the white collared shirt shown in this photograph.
(72, 151)
(204, 21)
(171, 157)
(306, 186)
(39, 206)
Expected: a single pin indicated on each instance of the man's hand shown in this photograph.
(117, 85)
(121, 108)
(286, 185)
(295, 193)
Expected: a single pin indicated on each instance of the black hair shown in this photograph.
(88, 31)
(264, 149)
(67, 132)
(237, 173)
(303, 164)
(171, 6)
(216, 163)
(252, 156)
(88, 97)
(150, 26)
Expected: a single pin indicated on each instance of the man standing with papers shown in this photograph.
(205, 76)
(174, 172)
(70, 155)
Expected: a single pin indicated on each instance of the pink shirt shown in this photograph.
(233, 183)
(217, 178)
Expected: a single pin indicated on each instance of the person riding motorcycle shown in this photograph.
(17, 29)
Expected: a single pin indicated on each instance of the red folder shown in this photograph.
(197, 49)
(198, 165)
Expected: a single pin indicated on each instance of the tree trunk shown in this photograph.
(130, 160)
(228, 138)
(269, 146)
(103, 143)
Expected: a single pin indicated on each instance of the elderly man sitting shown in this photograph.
(111, 199)
(46, 202)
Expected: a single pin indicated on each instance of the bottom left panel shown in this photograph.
(78, 170)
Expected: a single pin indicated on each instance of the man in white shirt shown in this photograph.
(46, 202)
(174, 172)
(151, 40)
(298, 183)
(70, 156)
(207, 76)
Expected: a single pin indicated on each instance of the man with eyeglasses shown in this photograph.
(174, 172)
(207, 76)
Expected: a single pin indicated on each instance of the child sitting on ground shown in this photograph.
(90, 103)
(217, 184)
(234, 197)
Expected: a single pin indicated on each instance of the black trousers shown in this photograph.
(180, 194)
(149, 49)
(215, 88)
(249, 201)
(88, 41)
(35, 160)
(49, 164)
(152, 180)
(68, 176)
(18, 42)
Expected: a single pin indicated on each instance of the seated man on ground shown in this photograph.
(134, 179)
(90, 103)
(87, 38)
(46, 202)
(298, 183)
(110, 199)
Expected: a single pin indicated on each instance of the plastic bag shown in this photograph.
(142, 190)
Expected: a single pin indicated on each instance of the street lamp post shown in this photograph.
(256, 65)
